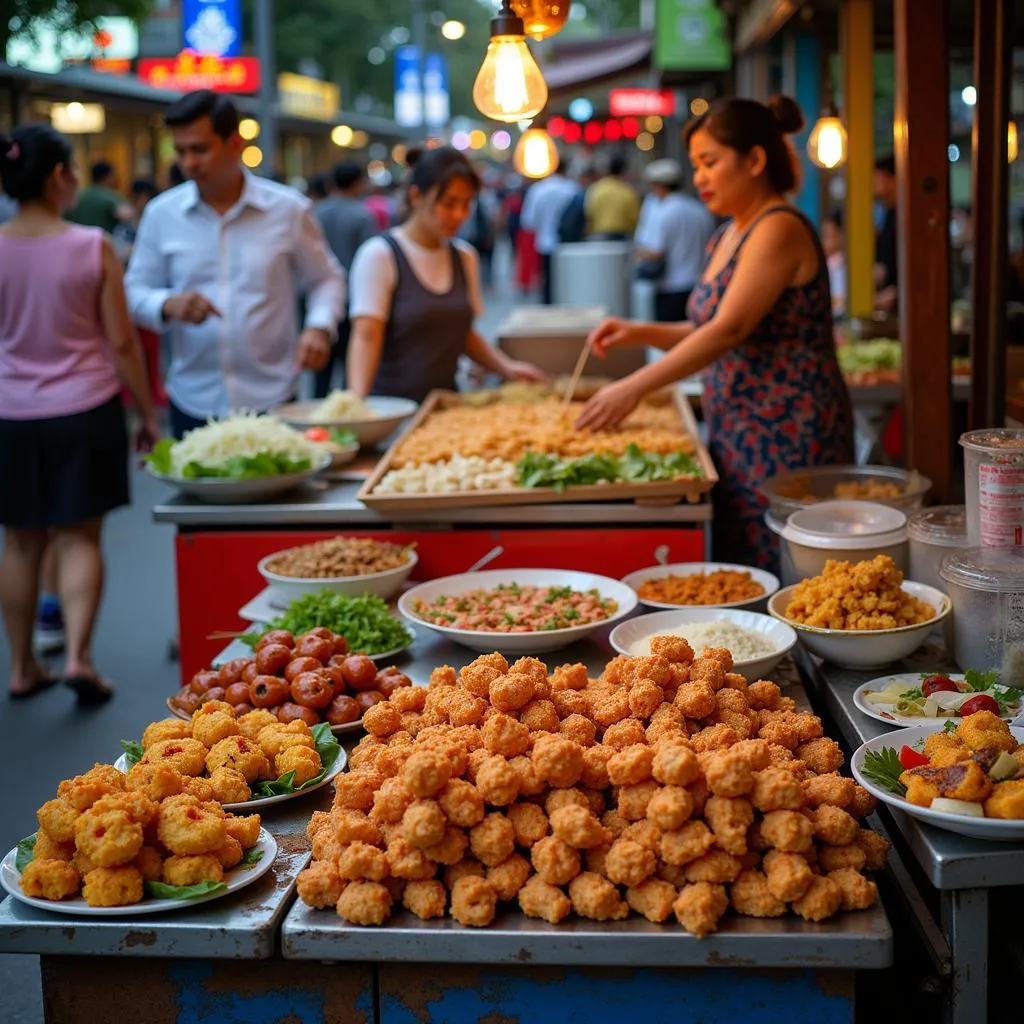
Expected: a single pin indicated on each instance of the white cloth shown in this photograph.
(679, 228)
(252, 264)
(543, 208)
(374, 274)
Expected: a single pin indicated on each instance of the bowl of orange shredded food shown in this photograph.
(702, 584)
(861, 614)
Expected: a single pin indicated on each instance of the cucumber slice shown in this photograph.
(967, 807)
(1005, 766)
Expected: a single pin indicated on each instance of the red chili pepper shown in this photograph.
(910, 758)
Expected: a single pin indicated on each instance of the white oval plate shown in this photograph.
(224, 491)
(1004, 830)
(769, 582)
(121, 764)
(235, 879)
(538, 642)
(388, 414)
(912, 679)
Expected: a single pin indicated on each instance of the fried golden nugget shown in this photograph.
(835, 826)
(408, 862)
(512, 691)
(409, 699)
(611, 708)
(320, 885)
(508, 877)
(821, 755)
(675, 764)
(186, 756)
(452, 847)
(788, 831)
(858, 892)
(634, 800)
(538, 899)
(662, 731)
(763, 695)
(670, 808)
(365, 903)
(187, 827)
(240, 754)
(985, 730)
(751, 896)
(424, 823)
(58, 817)
(305, 763)
(695, 699)
(595, 767)
(391, 801)
(645, 697)
(823, 898)
(554, 860)
(714, 737)
(787, 875)
(229, 786)
(686, 844)
(382, 720)
(596, 898)
(729, 818)
(715, 866)
(530, 783)
(832, 858)
(493, 840)
(644, 833)
(200, 789)
(252, 723)
(558, 798)
(466, 866)
(108, 838)
(426, 899)
(505, 736)
(211, 729)
(467, 710)
(323, 820)
(112, 887)
(579, 729)
(462, 803)
(529, 823)
(631, 765)
(540, 716)
(1006, 800)
(230, 854)
(558, 761)
(477, 679)
(165, 729)
(833, 790)
(136, 805)
(362, 861)
(355, 790)
(150, 863)
(473, 902)
(653, 898)
(776, 789)
(192, 870)
(45, 879)
(275, 738)
(700, 906)
(426, 772)
(578, 827)
(47, 848)
(729, 774)
(629, 863)
(244, 828)
(157, 781)
(497, 781)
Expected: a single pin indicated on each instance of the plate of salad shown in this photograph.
(914, 771)
(339, 442)
(916, 698)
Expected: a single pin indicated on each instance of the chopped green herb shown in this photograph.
(883, 768)
(26, 853)
(132, 751)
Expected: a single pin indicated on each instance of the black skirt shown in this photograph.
(65, 470)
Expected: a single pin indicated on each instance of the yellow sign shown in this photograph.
(302, 96)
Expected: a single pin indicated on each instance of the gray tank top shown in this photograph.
(425, 333)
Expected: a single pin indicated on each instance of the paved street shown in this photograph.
(48, 739)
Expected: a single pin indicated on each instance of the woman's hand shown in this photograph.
(519, 370)
(611, 405)
(148, 434)
(613, 332)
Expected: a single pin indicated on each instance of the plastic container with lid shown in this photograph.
(994, 487)
(932, 534)
(986, 587)
(849, 531)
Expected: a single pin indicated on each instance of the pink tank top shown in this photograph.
(54, 358)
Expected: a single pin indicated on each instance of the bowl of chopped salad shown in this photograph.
(919, 698)
(518, 611)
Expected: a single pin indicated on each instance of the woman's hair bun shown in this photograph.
(787, 113)
(412, 156)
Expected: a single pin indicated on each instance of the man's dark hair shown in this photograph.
(617, 165)
(193, 106)
(886, 164)
(347, 174)
(317, 188)
(143, 187)
(100, 171)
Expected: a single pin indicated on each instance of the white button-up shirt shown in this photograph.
(543, 207)
(251, 263)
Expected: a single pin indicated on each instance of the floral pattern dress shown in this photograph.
(775, 402)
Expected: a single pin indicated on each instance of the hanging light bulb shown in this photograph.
(542, 18)
(826, 145)
(535, 155)
(509, 85)
(1012, 142)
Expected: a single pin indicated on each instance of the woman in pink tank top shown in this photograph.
(66, 347)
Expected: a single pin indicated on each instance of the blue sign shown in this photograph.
(435, 88)
(409, 99)
(212, 28)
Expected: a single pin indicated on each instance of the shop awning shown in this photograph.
(581, 63)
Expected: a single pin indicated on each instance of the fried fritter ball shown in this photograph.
(391, 801)
(304, 762)
(157, 781)
(824, 896)
(832, 858)
(751, 896)
(187, 827)
(985, 730)
(244, 828)
(211, 729)
(611, 708)
(452, 847)
(462, 802)
(508, 877)
(477, 679)
(497, 782)
(578, 827)
(714, 737)
(426, 899)
(192, 870)
(572, 702)
(674, 649)
(787, 875)
(579, 729)
(165, 729)
(559, 798)
(558, 761)
(675, 764)
(187, 756)
(473, 902)
(653, 898)
(833, 790)
(108, 838)
(493, 840)
(529, 823)
(624, 734)
(595, 767)
(699, 907)
(629, 863)
(776, 789)
(382, 719)
(362, 861)
(788, 831)
(197, 787)
(241, 754)
(1007, 800)
(763, 695)
(512, 691)
(365, 903)
(729, 818)
(715, 866)
(540, 716)
(729, 773)
(252, 723)
(834, 826)
(541, 900)
(408, 862)
(275, 738)
(150, 863)
(466, 867)
(409, 699)
(596, 898)
(644, 833)
(530, 783)
(686, 844)
(426, 772)
(112, 887)
(230, 854)
(862, 804)
(669, 808)
(555, 860)
(631, 766)
(821, 755)
(47, 848)
(58, 817)
(858, 892)
(645, 697)
(320, 885)
(356, 790)
(423, 823)
(229, 786)
(633, 800)
(505, 735)
(46, 879)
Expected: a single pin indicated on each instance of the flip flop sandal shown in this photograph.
(39, 686)
(91, 691)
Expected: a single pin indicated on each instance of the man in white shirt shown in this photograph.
(673, 232)
(543, 207)
(222, 260)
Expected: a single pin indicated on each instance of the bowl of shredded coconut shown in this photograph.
(240, 458)
(370, 419)
(757, 642)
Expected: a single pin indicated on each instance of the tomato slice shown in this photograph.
(982, 702)
(318, 434)
(938, 684)
(910, 758)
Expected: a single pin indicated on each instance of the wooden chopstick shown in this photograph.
(576, 374)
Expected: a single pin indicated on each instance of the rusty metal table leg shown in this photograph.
(965, 921)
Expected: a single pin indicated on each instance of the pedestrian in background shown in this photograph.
(220, 262)
(612, 205)
(63, 442)
(100, 205)
(545, 203)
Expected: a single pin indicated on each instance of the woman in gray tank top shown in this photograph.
(415, 292)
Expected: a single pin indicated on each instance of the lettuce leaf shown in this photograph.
(162, 891)
(26, 853)
(160, 457)
(132, 751)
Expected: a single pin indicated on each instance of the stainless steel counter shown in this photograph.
(331, 504)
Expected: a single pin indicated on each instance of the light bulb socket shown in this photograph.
(507, 23)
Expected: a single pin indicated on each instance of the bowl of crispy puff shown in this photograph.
(107, 834)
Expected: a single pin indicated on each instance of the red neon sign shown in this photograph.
(642, 102)
(189, 71)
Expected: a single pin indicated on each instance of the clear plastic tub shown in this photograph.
(789, 492)
(933, 533)
(986, 587)
(994, 487)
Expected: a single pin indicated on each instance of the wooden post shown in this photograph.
(857, 47)
(993, 66)
(921, 133)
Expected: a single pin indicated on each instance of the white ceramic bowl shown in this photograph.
(769, 582)
(518, 643)
(224, 491)
(388, 414)
(625, 636)
(865, 648)
(1004, 829)
(384, 584)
